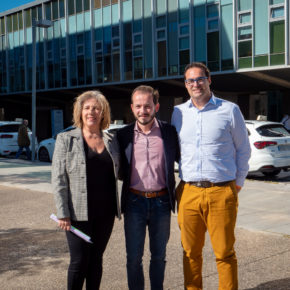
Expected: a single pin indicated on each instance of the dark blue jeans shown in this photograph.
(27, 150)
(139, 213)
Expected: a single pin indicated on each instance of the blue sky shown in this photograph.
(9, 4)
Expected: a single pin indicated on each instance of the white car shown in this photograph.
(8, 137)
(46, 147)
(270, 144)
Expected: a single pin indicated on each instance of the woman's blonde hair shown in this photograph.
(102, 101)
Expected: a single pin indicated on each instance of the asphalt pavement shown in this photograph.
(34, 253)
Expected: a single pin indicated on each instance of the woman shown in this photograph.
(84, 177)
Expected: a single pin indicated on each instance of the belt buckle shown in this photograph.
(199, 184)
(147, 194)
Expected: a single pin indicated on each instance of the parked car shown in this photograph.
(270, 144)
(8, 137)
(46, 147)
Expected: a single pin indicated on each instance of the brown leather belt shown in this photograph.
(206, 184)
(149, 194)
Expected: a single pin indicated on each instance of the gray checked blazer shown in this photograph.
(68, 176)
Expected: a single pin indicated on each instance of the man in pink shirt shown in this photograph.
(149, 148)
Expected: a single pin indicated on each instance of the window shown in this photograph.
(47, 11)
(61, 8)
(71, 7)
(27, 18)
(161, 51)
(245, 35)
(212, 13)
(277, 32)
(213, 34)
(54, 9)
(161, 21)
(277, 43)
(97, 4)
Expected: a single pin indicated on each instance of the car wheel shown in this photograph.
(272, 173)
(43, 155)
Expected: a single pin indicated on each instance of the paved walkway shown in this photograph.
(263, 206)
(34, 252)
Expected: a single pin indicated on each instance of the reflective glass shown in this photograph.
(71, 7)
(86, 5)
(47, 11)
(245, 33)
(116, 67)
(184, 43)
(161, 52)
(161, 21)
(116, 42)
(184, 30)
(115, 31)
(212, 11)
(160, 34)
(137, 50)
(245, 48)
(213, 24)
(137, 38)
(245, 18)
(106, 2)
(97, 4)
(20, 20)
(61, 8)
(138, 68)
(128, 65)
(15, 22)
(27, 18)
(80, 39)
(55, 9)
(34, 13)
(277, 37)
(213, 48)
(183, 11)
(137, 26)
(80, 22)
(39, 12)
(244, 5)
(277, 12)
(9, 24)
(161, 6)
(79, 6)
(2, 26)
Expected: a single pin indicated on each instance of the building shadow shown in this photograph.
(281, 284)
(26, 251)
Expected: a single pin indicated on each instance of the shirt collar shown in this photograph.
(212, 100)
(154, 125)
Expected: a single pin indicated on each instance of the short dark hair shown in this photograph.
(199, 65)
(147, 90)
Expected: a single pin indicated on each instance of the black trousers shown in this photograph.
(86, 259)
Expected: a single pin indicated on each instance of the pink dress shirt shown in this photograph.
(148, 162)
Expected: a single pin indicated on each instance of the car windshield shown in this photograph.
(273, 131)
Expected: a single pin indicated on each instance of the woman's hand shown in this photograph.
(64, 224)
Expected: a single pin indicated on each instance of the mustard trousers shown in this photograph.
(213, 209)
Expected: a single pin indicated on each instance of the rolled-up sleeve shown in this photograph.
(59, 178)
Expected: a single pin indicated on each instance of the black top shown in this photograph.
(101, 185)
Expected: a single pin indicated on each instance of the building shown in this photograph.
(115, 45)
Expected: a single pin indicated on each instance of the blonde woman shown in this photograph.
(84, 177)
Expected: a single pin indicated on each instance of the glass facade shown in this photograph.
(114, 41)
